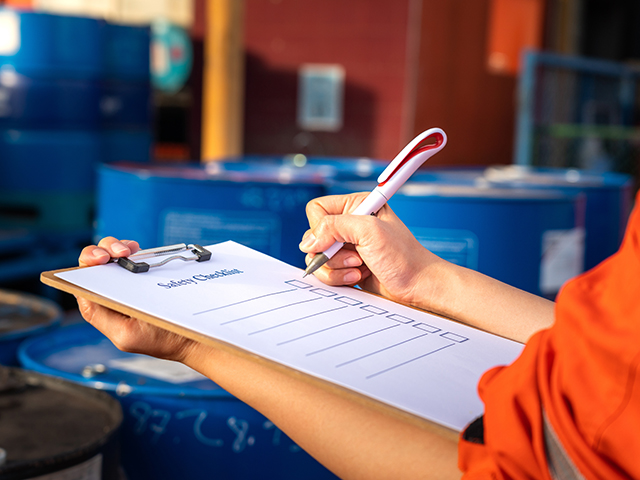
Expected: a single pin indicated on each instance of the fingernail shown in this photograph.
(352, 262)
(119, 248)
(351, 277)
(99, 253)
(308, 241)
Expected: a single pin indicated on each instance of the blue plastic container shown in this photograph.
(177, 423)
(127, 53)
(608, 201)
(22, 316)
(52, 46)
(261, 207)
(27, 102)
(530, 239)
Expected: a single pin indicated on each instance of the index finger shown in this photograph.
(320, 207)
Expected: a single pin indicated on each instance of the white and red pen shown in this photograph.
(390, 180)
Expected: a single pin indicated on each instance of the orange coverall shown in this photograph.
(579, 380)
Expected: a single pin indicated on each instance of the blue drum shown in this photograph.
(126, 91)
(533, 240)
(127, 53)
(125, 105)
(52, 46)
(608, 201)
(31, 102)
(262, 207)
(177, 423)
(22, 316)
(47, 177)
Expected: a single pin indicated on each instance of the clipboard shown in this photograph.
(50, 278)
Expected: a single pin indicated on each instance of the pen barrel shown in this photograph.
(332, 250)
(374, 202)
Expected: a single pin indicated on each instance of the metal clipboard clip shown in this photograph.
(131, 263)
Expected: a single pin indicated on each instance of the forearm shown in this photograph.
(352, 440)
(488, 304)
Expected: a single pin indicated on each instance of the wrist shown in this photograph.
(193, 354)
(434, 285)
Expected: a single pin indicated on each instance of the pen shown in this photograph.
(390, 180)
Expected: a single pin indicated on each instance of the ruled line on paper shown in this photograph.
(407, 362)
(389, 347)
(324, 330)
(352, 340)
(296, 320)
(244, 301)
(270, 310)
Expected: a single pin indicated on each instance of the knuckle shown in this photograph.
(310, 205)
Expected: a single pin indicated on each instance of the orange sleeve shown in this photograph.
(583, 373)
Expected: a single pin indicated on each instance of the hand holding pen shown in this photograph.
(392, 178)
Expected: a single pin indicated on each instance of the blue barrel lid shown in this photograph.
(221, 172)
(426, 187)
(82, 354)
(462, 191)
(337, 168)
(23, 314)
(453, 175)
(525, 176)
(48, 46)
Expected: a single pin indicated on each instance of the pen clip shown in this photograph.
(414, 150)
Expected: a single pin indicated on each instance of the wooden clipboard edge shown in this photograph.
(49, 278)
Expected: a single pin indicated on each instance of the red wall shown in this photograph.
(410, 65)
(457, 92)
(367, 37)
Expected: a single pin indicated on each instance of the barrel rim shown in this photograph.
(33, 300)
(118, 388)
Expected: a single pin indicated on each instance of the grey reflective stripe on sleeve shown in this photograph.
(560, 465)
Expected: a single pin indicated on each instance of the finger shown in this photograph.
(132, 244)
(93, 255)
(320, 207)
(308, 245)
(346, 257)
(342, 276)
(116, 248)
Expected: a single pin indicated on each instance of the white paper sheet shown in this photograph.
(400, 356)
